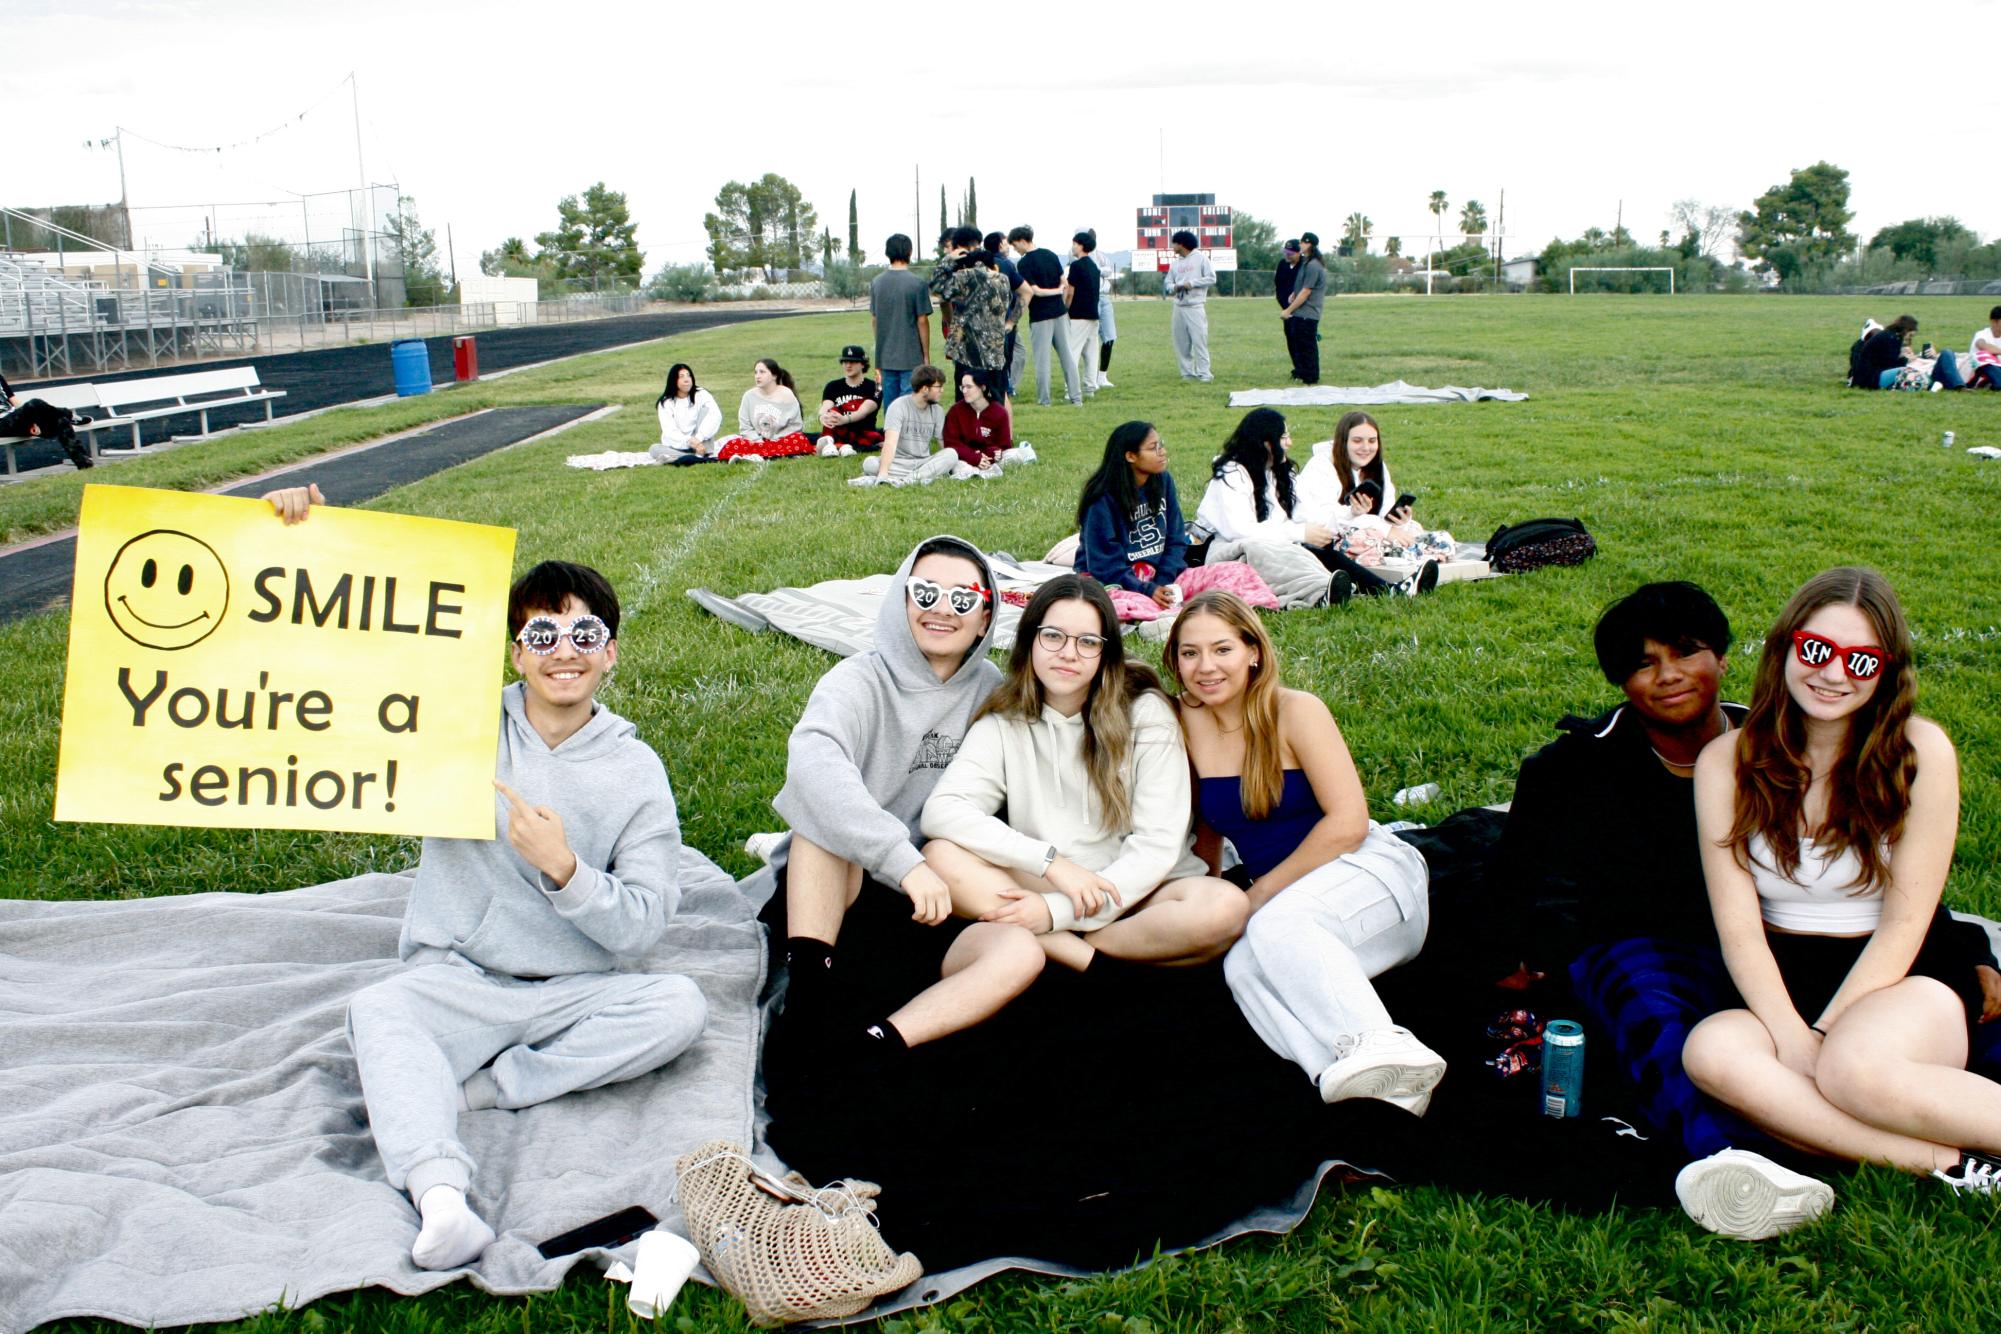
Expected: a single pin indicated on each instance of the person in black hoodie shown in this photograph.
(1882, 352)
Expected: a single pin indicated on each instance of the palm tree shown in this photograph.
(1473, 220)
(1438, 207)
(1357, 233)
(1394, 247)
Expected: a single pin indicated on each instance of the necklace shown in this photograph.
(1676, 766)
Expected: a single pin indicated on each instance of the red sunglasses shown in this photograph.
(1862, 662)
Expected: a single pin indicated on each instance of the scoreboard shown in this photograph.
(1168, 214)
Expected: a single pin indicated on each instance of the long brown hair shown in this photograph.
(1263, 781)
(1344, 466)
(1869, 786)
(1108, 728)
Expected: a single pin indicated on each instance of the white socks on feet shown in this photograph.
(452, 1235)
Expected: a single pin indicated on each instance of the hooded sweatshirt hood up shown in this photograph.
(877, 732)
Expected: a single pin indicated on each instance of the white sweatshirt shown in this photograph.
(683, 421)
(1036, 770)
(1229, 510)
(1316, 491)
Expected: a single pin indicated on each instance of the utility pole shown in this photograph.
(451, 253)
(916, 204)
(1500, 230)
(124, 204)
(361, 168)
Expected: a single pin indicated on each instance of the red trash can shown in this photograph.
(465, 357)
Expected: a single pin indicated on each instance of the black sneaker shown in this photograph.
(1340, 588)
(1423, 581)
(1977, 1172)
(78, 453)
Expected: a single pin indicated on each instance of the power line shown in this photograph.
(282, 126)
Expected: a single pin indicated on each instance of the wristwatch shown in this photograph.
(1048, 860)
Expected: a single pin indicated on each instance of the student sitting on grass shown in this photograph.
(1827, 824)
(981, 432)
(1081, 751)
(768, 422)
(512, 995)
(878, 732)
(1346, 486)
(689, 419)
(1130, 533)
(848, 408)
(1986, 352)
(1251, 498)
(915, 422)
(1334, 898)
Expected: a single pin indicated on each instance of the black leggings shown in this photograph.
(1367, 581)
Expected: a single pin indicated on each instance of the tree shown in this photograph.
(594, 239)
(855, 253)
(257, 253)
(1920, 238)
(758, 225)
(1394, 247)
(1473, 219)
(1257, 241)
(1800, 224)
(1708, 224)
(941, 220)
(970, 215)
(1437, 205)
(1356, 234)
(508, 260)
(414, 248)
(830, 246)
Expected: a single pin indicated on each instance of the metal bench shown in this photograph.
(77, 398)
(135, 401)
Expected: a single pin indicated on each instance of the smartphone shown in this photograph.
(607, 1233)
(1404, 502)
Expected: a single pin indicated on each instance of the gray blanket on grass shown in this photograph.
(182, 1136)
(1396, 391)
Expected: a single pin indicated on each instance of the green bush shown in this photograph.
(845, 280)
(683, 282)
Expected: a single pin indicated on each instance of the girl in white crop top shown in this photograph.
(1853, 1041)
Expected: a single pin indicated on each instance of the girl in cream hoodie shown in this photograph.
(1084, 753)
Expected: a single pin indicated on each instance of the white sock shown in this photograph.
(452, 1235)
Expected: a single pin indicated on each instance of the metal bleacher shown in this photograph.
(53, 325)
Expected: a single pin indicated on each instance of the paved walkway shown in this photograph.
(35, 576)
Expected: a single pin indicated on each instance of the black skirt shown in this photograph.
(1814, 967)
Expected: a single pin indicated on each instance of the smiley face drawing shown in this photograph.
(166, 589)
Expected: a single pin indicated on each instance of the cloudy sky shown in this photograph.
(486, 114)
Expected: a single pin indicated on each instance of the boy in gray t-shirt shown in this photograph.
(915, 422)
(899, 307)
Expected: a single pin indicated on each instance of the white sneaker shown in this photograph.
(1104, 382)
(963, 472)
(1737, 1193)
(825, 447)
(990, 473)
(760, 846)
(1023, 453)
(1387, 1063)
(846, 451)
(866, 479)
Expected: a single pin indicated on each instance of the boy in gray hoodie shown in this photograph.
(512, 995)
(874, 739)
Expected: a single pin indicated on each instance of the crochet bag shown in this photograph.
(784, 1249)
(1515, 548)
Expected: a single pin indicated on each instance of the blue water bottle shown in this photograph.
(1563, 1068)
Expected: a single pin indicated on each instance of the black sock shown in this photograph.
(881, 1045)
(809, 961)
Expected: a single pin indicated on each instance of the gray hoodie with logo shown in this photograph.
(479, 899)
(876, 735)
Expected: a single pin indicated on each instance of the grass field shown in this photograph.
(1700, 438)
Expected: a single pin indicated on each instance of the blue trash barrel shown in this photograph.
(411, 362)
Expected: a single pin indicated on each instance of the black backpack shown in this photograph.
(1515, 548)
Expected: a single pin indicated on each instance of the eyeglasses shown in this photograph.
(541, 635)
(1861, 662)
(1152, 447)
(1052, 639)
(959, 599)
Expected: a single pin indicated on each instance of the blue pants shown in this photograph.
(895, 384)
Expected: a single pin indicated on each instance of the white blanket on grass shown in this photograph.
(1396, 391)
(182, 1136)
(839, 614)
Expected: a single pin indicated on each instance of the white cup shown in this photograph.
(664, 1262)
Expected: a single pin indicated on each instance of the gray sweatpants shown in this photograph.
(1301, 971)
(418, 1037)
(1084, 354)
(1191, 339)
(1045, 335)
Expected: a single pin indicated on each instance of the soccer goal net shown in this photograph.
(1622, 284)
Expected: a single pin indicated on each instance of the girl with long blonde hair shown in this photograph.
(1334, 899)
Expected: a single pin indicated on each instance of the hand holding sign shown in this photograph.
(537, 834)
(342, 674)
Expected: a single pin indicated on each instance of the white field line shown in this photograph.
(651, 578)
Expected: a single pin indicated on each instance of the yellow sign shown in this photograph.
(227, 670)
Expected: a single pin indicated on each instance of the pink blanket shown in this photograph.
(1235, 576)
